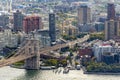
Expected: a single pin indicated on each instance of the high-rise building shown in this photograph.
(112, 24)
(99, 26)
(18, 21)
(111, 11)
(32, 23)
(4, 20)
(52, 29)
(111, 29)
(84, 14)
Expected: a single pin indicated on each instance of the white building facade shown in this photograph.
(100, 48)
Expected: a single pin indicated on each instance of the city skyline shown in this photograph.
(59, 39)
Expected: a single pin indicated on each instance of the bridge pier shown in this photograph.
(34, 62)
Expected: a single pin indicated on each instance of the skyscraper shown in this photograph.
(52, 28)
(111, 11)
(4, 20)
(18, 21)
(32, 23)
(84, 14)
(112, 24)
(111, 29)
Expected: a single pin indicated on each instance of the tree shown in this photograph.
(71, 53)
(51, 62)
(74, 22)
(94, 36)
(76, 63)
(63, 62)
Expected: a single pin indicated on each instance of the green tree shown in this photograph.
(51, 62)
(63, 62)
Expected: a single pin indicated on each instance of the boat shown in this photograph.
(45, 68)
(53, 67)
(78, 67)
(66, 70)
(71, 67)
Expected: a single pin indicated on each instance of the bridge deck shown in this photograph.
(23, 55)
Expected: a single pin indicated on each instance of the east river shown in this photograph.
(8, 73)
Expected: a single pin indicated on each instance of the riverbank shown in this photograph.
(18, 67)
(99, 73)
(83, 69)
(41, 68)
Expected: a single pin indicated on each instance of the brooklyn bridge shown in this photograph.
(30, 51)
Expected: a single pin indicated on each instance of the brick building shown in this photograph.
(85, 51)
(32, 23)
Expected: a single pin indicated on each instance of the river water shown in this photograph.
(8, 73)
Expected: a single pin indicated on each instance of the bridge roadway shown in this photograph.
(21, 55)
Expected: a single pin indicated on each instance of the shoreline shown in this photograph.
(41, 68)
(18, 67)
(100, 73)
(83, 69)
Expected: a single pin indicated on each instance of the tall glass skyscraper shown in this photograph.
(52, 29)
